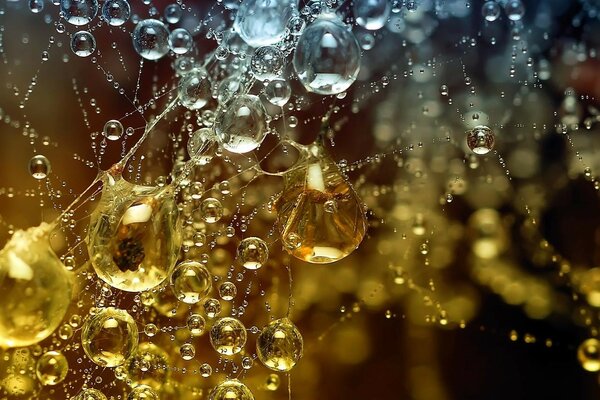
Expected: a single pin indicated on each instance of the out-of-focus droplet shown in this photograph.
(515, 10)
(320, 216)
(39, 167)
(241, 126)
(252, 252)
(490, 10)
(263, 22)
(90, 394)
(588, 354)
(280, 345)
(52, 368)
(481, 139)
(327, 56)
(272, 383)
(371, 14)
(228, 336)
(134, 238)
(231, 389)
(109, 337)
(36, 288)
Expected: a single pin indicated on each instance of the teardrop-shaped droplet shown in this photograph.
(36, 288)
(320, 216)
(133, 239)
(263, 22)
(327, 57)
(241, 127)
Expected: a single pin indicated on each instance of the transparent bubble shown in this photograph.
(83, 43)
(279, 345)
(36, 288)
(205, 370)
(267, 62)
(199, 142)
(109, 337)
(228, 336)
(231, 389)
(39, 167)
(151, 39)
(195, 89)
(190, 281)
(113, 129)
(51, 368)
(142, 392)
(241, 126)
(212, 210)
(196, 324)
(252, 252)
(278, 92)
(187, 351)
(180, 41)
(327, 57)
(173, 13)
(490, 10)
(227, 291)
(212, 308)
(36, 6)
(79, 12)
(116, 12)
(228, 88)
(515, 10)
(263, 22)
(481, 139)
(371, 14)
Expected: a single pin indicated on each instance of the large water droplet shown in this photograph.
(371, 14)
(151, 39)
(263, 22)
(319, 214)
(241, 127)
(327, 57)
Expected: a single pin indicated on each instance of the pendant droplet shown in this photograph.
(133, 238)
(320, 216)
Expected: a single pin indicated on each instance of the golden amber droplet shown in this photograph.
(134, 236)
(320, 216)
(36, 288)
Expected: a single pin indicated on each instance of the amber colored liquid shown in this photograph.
(320, 225)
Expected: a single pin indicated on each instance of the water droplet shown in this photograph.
(151, 39)
(327, 56)
(83, 43)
